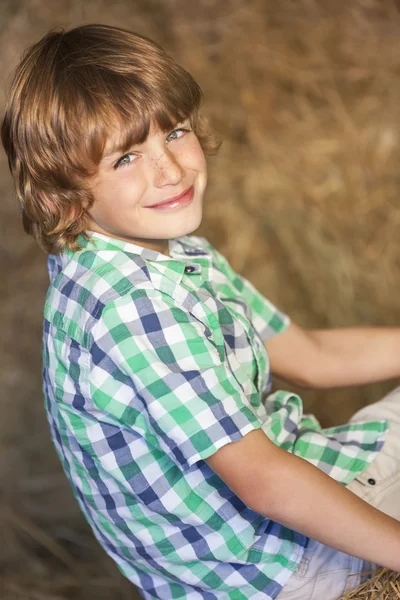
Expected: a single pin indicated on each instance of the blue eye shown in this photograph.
(124, 160)
(175, 135)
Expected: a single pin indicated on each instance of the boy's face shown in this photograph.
(128, 186)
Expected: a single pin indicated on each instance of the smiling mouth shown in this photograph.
(180, 200)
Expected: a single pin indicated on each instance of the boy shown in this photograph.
(196, 481)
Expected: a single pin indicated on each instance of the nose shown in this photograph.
(167, 169)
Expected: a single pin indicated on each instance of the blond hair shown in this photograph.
(66, 91)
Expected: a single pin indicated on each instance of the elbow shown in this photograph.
(271, 491)
(263, 501)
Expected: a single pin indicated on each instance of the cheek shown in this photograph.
(123, 190)
(195, 155)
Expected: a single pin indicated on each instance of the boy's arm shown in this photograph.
(327, 358)
(291, 491)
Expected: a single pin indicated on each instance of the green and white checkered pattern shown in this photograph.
(149, 368)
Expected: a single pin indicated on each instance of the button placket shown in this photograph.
(194, 268)
(190, 269)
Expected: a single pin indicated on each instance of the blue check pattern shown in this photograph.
(151, 363)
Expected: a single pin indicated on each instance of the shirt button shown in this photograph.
(189, 269)
(371, 481)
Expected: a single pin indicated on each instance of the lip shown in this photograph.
(185, 197)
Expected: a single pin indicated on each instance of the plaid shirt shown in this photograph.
(152, 363)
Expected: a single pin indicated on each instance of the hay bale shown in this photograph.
(385, 585)
(303, 199)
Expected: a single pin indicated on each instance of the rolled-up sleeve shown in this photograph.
(155, 368)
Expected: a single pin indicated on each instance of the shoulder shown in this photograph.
(84, 283)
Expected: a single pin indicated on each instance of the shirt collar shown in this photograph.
(184, 251)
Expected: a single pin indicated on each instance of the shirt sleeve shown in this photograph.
(266, 318)
(156, 368)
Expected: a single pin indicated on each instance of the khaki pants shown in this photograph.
(327, 573)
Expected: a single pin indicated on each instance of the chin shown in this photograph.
(186, 227)
(189, 228)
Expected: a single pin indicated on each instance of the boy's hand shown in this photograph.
(291, 491)
(328, 358)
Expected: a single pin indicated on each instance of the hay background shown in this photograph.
(303, 200)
